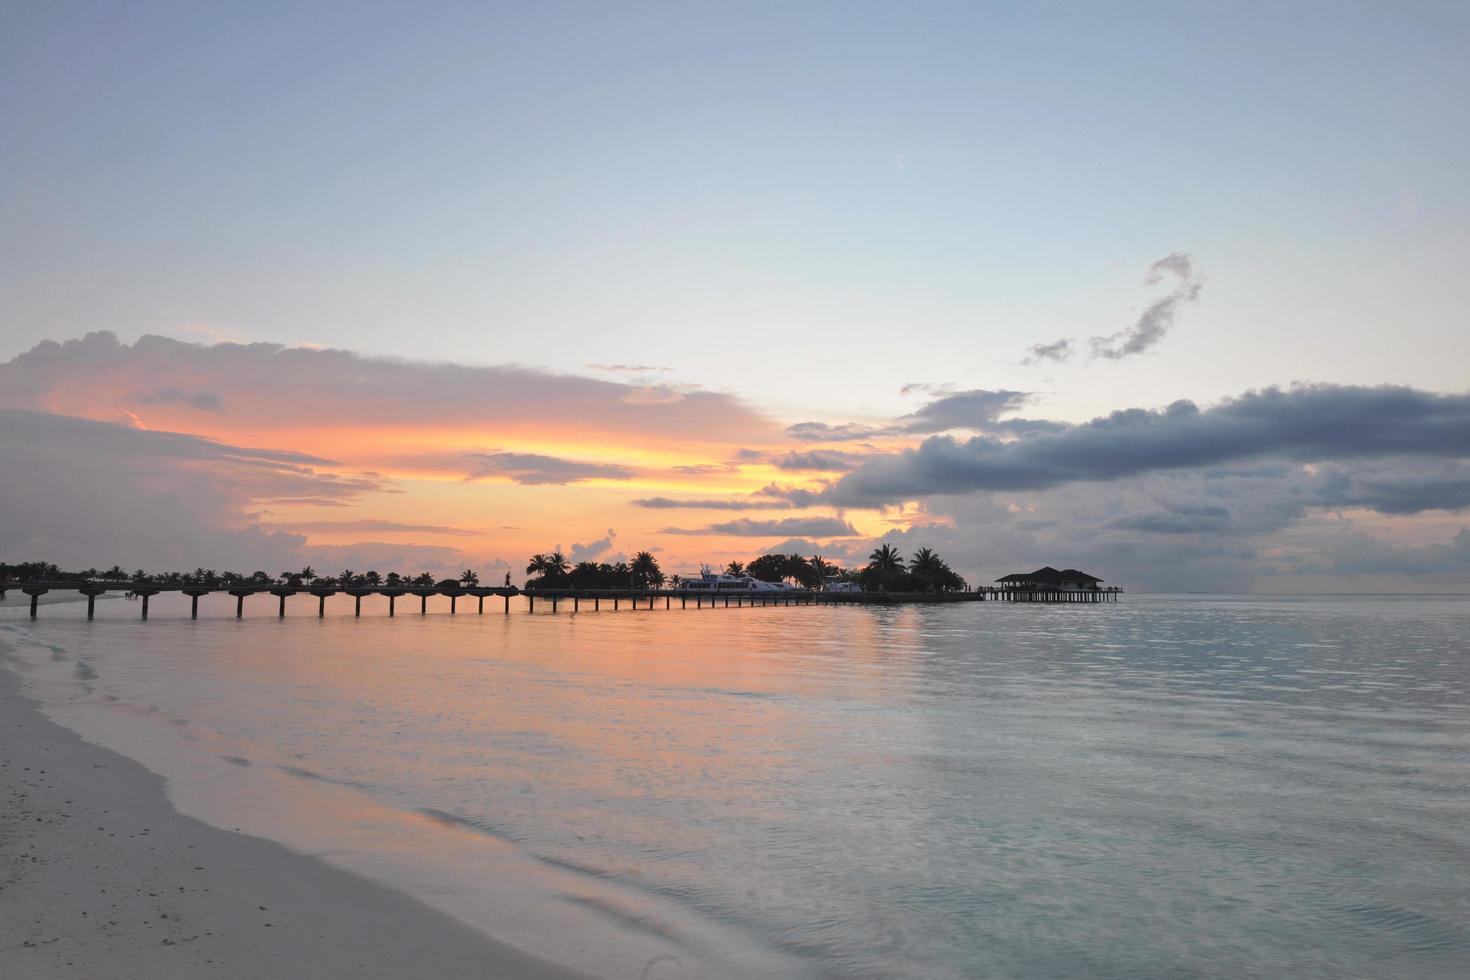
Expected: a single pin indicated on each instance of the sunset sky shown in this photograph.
(1174, 295)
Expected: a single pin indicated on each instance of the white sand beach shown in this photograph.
(101, 877)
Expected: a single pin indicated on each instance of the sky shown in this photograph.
(1175, 294)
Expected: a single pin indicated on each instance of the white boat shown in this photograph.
(710, 581)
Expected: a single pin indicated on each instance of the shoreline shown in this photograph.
(107, 879)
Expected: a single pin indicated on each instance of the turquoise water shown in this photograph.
(1186, 786)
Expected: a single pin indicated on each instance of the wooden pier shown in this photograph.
(554, 598)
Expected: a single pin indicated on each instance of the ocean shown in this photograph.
(1172, 786)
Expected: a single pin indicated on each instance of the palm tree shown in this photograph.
(307, 572)
(796, 568)
(423, 578)
(820, 568)
(645, 570)
(925, 562)
(394, 578)
(557, 564)
(674, 580)
(346, 577)
(736, 568)
(372, 577)
(468, 578)
(537, 565)
(886, 559)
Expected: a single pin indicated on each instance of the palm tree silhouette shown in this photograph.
(645, 570)
(820, 568)
(795, 567)
(468, 578)
(886, 559)
(736, 568)
(925, 562)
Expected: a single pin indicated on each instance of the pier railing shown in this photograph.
(635, 598)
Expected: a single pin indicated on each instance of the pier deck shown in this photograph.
(554, 598)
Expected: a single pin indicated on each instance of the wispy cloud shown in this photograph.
(365, 527)
(1147, 331)
(1057, 352)
(631, 368)
(202, 400)
(975, 409)
(593, 549)
(536, 469)
(667, 503)
(825, 432)
(808, 527)
(1156, 321)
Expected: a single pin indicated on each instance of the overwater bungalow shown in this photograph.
(1049, 579)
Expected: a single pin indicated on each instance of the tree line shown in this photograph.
(886, 570)
(554, 571)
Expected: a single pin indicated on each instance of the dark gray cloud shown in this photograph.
(1397, 489)
(534, 469)
(794, 496)
(1362, 554)
(85, 493)
(1304, 423)
(263, 474)
(667, 503)
(202, 400)
(818, 461)
(1184, 519)
(975, 409)
(805, 527)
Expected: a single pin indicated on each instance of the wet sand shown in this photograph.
(101, 877)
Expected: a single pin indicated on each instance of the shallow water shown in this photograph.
(1170, 786)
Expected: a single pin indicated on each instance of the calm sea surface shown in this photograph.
(1186, 786)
